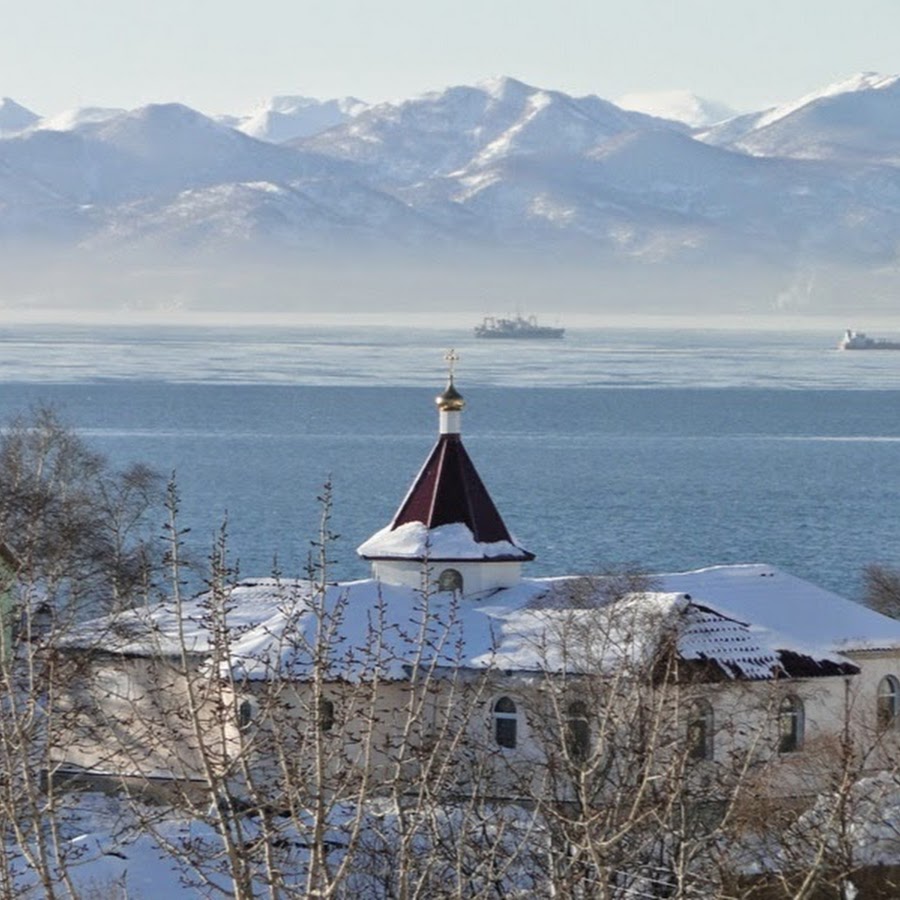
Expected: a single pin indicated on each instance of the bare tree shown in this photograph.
(74, 539)
(314, 765)
(835, 837)
(32, 851)
(650, 771)
(79, 529)
(390, 765)
(881, 589)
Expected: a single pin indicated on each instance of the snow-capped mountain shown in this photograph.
(855, 120)
(680, 106)
(498, 166)
(153, 151)
(444, 131)
(286, 118)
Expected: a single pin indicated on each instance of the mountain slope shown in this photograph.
(14, 117)
(661, 195)
(155, 150)
(242, 217)
(855, 120)
(441, 132)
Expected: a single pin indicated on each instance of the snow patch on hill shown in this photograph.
(679, 106)
(863, 81)
(70, 119)
(286, 118)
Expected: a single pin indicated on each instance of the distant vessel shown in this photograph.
(517, 329)
(859, 340)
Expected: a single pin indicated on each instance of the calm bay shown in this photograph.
(666, 449)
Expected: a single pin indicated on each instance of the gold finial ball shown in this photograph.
(451, 400)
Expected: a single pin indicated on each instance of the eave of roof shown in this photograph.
(417, 543)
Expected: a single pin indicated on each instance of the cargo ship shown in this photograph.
(859, 340)
(516, 329)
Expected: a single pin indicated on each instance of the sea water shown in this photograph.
(666, 450)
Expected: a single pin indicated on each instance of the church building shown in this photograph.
(727, 653)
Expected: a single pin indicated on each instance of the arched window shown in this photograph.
(578, 732)
(700, 731)
(888, 701)
(450, 580)
(506, 722)
(326, 714)
(790, 725)
(245, 714)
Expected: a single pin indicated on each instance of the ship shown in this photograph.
(859, 340)
(516, 329)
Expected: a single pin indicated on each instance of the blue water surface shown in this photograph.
(669, 450)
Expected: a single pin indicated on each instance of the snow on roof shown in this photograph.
(553, 633)
(417, 541)
(533, 627)
(799, 613)
(634, 629)
(165, 629)
(750, 622)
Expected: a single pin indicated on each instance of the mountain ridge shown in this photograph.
(500, 166)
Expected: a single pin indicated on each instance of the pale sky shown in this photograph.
(226, 56)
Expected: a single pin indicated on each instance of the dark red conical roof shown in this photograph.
(448, 490)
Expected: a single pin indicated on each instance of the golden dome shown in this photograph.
(451, 400)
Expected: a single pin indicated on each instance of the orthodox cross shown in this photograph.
(451, 358)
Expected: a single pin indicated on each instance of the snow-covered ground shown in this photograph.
(117, 848)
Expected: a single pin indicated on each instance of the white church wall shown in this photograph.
(131, 721)
(477, 577)
(128, 716)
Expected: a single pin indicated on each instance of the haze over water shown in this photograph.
(384, 355)
(671, 449)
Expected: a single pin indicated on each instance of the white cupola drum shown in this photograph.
(447, 529)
